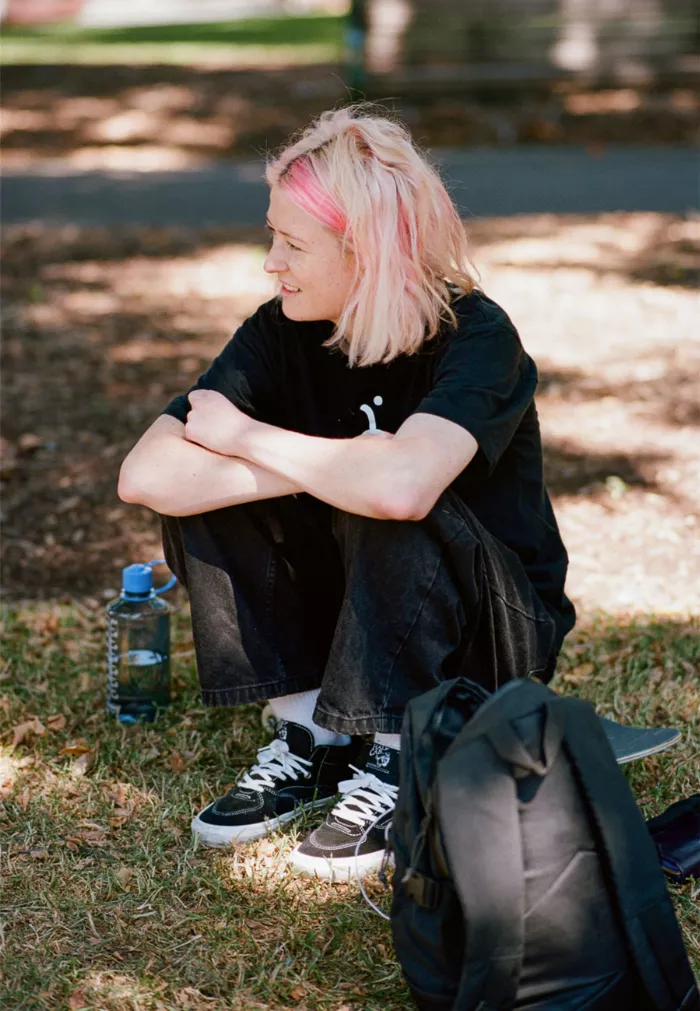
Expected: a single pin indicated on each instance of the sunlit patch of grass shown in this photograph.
(149, 916)
(108, 902)
(294, 39)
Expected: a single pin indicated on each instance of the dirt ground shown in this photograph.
(103, 327)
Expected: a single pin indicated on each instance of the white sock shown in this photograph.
(389, 740)
(299, 709)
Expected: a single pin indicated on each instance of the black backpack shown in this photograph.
(525, 876)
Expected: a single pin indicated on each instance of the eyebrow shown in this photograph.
(294, 237)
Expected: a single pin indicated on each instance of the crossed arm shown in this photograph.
(222, 457)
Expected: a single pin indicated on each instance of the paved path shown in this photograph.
(485, 182)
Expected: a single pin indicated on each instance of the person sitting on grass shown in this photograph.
(352, 493)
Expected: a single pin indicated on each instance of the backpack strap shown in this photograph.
(479, 816)
(435, 719)
(648, 920)
(477, 798)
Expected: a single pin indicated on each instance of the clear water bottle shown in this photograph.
(138, 647)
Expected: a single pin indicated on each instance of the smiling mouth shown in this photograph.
(289, 289)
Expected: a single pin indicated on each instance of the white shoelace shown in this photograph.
(275, 762)
(366, 798)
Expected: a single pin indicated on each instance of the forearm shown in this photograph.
(179, 478)
(393, 477)
(369, 476)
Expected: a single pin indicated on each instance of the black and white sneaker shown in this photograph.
(352, 839)
(290, 775)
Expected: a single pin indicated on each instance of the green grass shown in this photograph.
(107, 903)
(292, 38)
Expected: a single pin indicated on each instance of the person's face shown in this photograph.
(315, 274)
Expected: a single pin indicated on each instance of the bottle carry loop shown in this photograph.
(166, 586)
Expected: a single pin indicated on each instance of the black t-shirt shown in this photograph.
(476, 375)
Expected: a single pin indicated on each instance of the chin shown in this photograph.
(298, 313)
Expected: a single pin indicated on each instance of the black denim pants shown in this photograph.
(290, 594)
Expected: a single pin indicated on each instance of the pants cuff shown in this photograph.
(379, 724)
(220, 697)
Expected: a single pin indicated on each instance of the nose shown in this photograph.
(274, 262)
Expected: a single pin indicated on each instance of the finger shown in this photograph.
(199, 395)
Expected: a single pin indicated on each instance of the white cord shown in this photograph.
(365, 896)
(370, 796)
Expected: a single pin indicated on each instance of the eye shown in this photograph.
(290, 245)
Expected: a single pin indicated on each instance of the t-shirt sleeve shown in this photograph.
(246, 372)
(484, 382)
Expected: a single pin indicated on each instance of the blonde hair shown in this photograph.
(362, 176)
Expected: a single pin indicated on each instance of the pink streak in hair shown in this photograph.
(303, 186)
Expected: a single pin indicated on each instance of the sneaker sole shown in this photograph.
(338, 870)
(219, 836)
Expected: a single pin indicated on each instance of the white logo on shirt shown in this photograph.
(377, 401)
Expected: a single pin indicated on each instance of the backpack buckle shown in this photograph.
(425, 892)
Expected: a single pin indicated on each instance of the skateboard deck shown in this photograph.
(631, 743)
(628, 743)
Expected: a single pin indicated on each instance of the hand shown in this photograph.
(217, 424)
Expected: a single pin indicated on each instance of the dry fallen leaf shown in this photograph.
(177, 762)
(23, 799)
(79, 747)
(34, 726)
(120, 815)
(83, 763)
(77, 1000)
(56, 722)
(583, 672)
(297, 993)
(94, 838)
(5, 704)
(119, 794)
(48, 624)
(124, 876)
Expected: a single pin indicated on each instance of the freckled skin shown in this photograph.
(309, 256)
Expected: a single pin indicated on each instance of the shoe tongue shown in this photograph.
(381, 761)
(299, 740)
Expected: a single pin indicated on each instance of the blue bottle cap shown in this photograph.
(137, 580)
